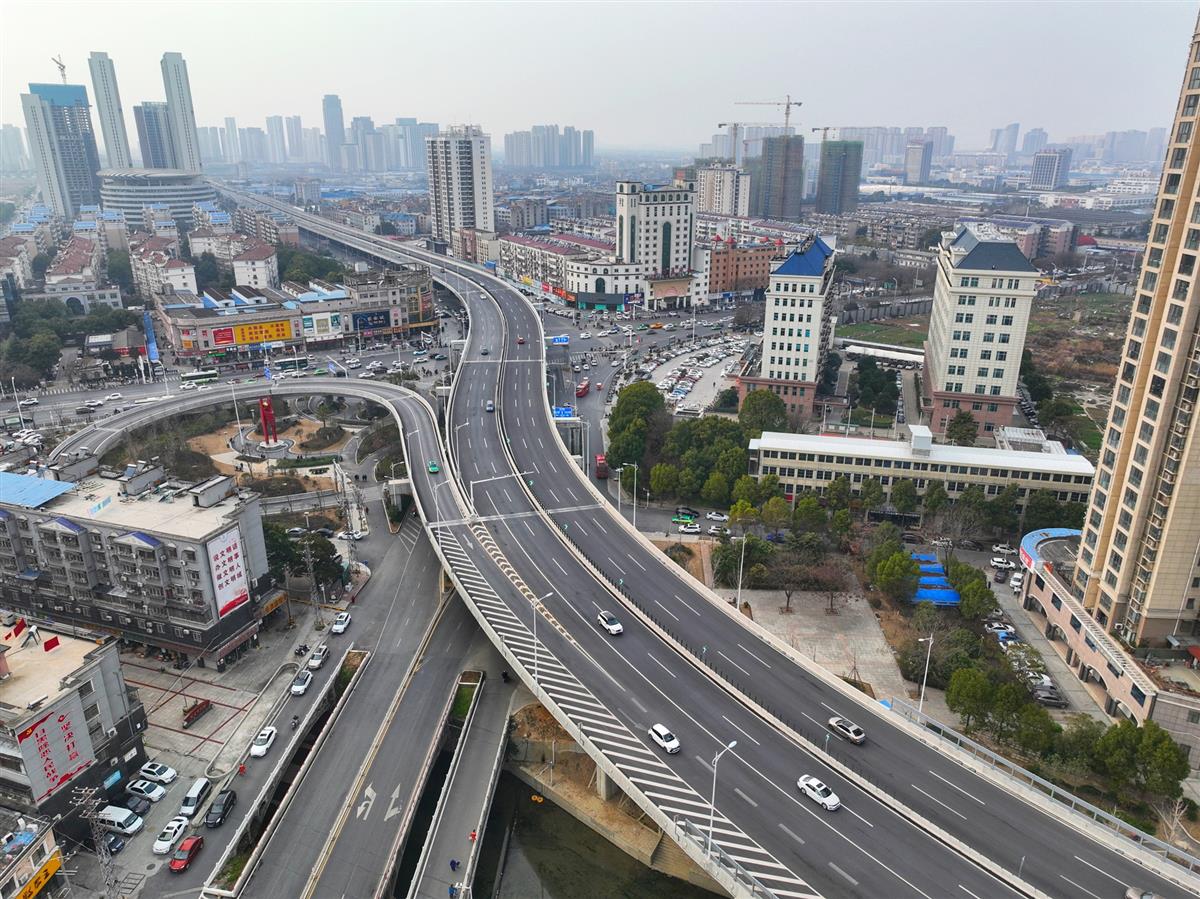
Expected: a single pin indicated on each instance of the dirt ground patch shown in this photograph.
(214, 445)
(535, 723)
(694, 565)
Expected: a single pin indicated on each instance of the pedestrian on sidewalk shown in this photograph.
(473, 835)
(453, 864)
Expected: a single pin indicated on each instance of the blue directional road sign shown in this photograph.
(266, 373)
(562, 411)
(560, 339)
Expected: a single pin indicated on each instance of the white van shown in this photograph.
(119, 820)
(1016, 582)
(195, 797)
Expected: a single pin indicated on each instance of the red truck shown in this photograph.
(601, 466)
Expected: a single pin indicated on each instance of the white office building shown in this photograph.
(981, 303)
(459, 162)
(180, 113)
(110, 111)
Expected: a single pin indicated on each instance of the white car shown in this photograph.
(158, 772)
(341, 623)
(188, 385)
(717, 530)
(586, 335)
(1002, 564)
(609, 622)
(692, 528)
(114, 396)
(819, 793)
(317, 659)
(665, 739)
(301, 683)
(1003, 549)
(717, 516)
(147, 790)
(262, 743)
(171, 832)
(31, 401)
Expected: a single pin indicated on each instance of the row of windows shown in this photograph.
(784, 375)
(997, 283)
(981, 372)
(975, 407)
(967, 318)
(782, 303)
(988, 337)
(790, 287)
(968, 299)
(984, 355)
(932, 467)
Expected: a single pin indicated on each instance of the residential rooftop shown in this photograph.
(35, 673)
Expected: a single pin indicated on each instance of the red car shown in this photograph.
(182, 857)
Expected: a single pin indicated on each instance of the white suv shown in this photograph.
(664, 738)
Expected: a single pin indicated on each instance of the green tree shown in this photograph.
(726, 400)
(1079, 739)
(808, 515)
(897, 576)
(664, 479)
(837, 494)
(1036, 730)
(1036, 383)
(776, 514)
(1003, 510)
(904, 496)
(761, 411)
(281, 552)
(929, 237)
(628, 446)
(935, 498)
(978, 601)
(43, 352)
(1054, 412)
(840, 524)
(963, 429)
(1006, 711)
(727, 556)
(715, 491)
(40, 263)
(639, 401)
(745, 489)
(883, 549)
(871, 494)
(969, 695)
(208, 273)
(807, 548)
(767, 487)
(743, 516)
(1116, 754)
(732, 463)
(691, 482)
(1162, 764)
(327, 567)
(119, 270)
(1044, 510)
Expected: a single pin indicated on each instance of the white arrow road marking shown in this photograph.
(364, 807)
(394, 807)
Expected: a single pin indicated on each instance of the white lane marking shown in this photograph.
(733, 663)
(1078, 887)
(939, 802)
(960, 789)
(1101, 870)
(599, 525)
(529, 527)
(707, 764)
(616, 566)
(504, 490)
(665, 609)
(555, 495)
(753, 655)
(742, 732)
(542, 445)
(813, 720)
(798, 839)
(968, 892)
(686, 604)
(847, 808)
(579, 526)
(744, 796)
(662, 666)
(844, 874)
(559, 567)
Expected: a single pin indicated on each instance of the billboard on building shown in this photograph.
(322, 325)
(55, 748)
(262, 332)
(227, 564)
(366, 321)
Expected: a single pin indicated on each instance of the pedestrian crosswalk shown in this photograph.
(645, 772)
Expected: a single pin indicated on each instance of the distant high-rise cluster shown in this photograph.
(1050, 169)
(740, 142)
(544, 147)
(889, 146)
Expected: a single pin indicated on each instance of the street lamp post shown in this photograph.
(925, 676)
(741, 565)
(712, 805)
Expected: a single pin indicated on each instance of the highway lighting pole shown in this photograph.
(461, 424)
(741, 565)
(712, 805)
(634, 466)
(925, 676)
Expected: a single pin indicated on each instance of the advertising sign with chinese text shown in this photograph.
(227, 563)
(264, 331)
(55, 747)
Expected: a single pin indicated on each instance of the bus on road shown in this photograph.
(582, 389)
(204, 376)
(291, 363)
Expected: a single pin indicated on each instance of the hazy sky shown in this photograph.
(653, 75)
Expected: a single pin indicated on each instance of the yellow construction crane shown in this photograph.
(786, 103)
(62, 67)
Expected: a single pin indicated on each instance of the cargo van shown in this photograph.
(195, 797)
(119, 820)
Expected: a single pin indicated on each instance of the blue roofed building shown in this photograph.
(797, 330)
(982, 299)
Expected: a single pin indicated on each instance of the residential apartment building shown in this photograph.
(181, 116)
(527, 213)
(741, 267)
(1036, 238)
(13, 157)
(839, 176)
(109, 111)
(1050, 169)
(335, 130)
(32, 857)
(722, 190)
(76, 277)
(153, 124)
(157, 268)
(170, 564)
(67, 720)
(982, 299)
(253, 262)
(63, 146)
(1138, 562)
(459, 162)
(808, 462)
(797, 330)
(777, 178)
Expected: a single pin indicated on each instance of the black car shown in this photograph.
(686, 510)
(115, 842)
(1049, 696)
(136, 804)
(220, 809)
(324, 532)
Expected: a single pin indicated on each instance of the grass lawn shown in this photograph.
(905, 332)
(462, 701)
(1085, 431)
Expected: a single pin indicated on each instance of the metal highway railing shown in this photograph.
(685, 828)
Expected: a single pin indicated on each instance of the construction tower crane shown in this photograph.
(825, 129)
(62, 67)
(737, 127)
(786, 103)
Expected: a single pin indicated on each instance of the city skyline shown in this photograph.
(1127, 92)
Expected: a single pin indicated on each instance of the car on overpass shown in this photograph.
(432, 467)
(301, 683)
(847, 729)
(666, 740)
(819, 793)
(263, 742)
(340, 623)
(609, 622)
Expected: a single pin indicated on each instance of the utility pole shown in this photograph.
(312, 579)
(89, 801)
